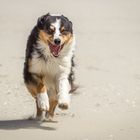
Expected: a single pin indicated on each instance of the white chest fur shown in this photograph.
(53, 69)
(50, 66)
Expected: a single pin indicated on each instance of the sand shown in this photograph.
(107, 104)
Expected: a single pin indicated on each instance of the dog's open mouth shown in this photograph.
(55, 49)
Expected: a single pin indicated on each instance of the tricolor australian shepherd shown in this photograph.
(48, 68)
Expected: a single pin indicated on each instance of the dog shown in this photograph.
(49, 64)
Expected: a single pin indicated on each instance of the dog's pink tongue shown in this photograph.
(55, 49)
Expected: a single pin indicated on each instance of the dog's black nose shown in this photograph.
(57, 41)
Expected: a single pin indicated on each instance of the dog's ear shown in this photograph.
(41, 21)
(70, 25)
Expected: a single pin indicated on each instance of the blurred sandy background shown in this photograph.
(107, 106)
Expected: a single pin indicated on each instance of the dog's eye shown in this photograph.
(51, 30)
(64, 32)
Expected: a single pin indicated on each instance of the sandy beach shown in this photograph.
(107, 104)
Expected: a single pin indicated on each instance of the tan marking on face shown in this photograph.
(67, 39)
(52, 28)
(62, 29)
(46, 38)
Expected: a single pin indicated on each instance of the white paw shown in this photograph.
(64, 101)
(49, 118)
(43, 101)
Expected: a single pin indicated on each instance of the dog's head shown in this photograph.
(56, 32)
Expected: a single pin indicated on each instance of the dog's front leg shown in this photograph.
(42, 102)
(63, 93)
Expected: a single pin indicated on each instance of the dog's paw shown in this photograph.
(43, 101)
(42, 117)
(63, 106)
(49, 118)
(64, 102)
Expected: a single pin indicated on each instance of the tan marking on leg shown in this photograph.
(36, 89)
(41, 88)
(53, 104)
(32, 89)
(53, 101)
